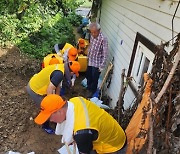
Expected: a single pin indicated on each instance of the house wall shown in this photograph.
(121, 20)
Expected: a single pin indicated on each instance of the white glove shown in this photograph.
(100, 69)
(72, 82)
(59, 54)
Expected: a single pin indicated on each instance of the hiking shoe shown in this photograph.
(49, 130)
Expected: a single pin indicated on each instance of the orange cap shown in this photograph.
(72, 53)
(54, 61)
(50, 104)
(82, 43)
(75, 67)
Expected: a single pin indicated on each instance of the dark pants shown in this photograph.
(36, 98)
(92, 75)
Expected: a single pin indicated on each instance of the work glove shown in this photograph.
(59, 54)
(100, 69)
(72, 82)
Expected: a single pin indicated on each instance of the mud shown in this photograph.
(18, 132)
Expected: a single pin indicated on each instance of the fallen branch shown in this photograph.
(169, 78)
(150, 143)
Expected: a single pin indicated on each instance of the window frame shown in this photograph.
(140, 39)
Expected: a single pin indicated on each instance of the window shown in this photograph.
(141, 59)
(142, 63)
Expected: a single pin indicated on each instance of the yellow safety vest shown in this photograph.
(40, 81)
(66, 47)
(88, 115)
(49, 57)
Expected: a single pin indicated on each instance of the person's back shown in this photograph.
(52, 59)
(84, 123)
(89, 116)
(40, 81)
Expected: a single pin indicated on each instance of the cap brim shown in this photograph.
(56, 48)
(42, 117)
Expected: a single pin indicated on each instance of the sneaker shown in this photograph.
(49, 130)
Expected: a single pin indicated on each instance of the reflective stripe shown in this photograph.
(56, 67)
(86, 112)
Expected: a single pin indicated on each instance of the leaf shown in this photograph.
(54, 1)
(22, 7)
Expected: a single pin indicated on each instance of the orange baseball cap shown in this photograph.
(75, 67)
(54, 60)
(50, 104)
(72, 53)
(82, 43)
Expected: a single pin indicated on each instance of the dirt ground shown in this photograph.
(18, 132)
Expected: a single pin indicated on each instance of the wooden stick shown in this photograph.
(110, 66)
(168, 118)
(120, 95)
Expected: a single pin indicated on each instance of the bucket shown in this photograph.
(83, 62)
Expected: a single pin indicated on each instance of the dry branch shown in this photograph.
(168, 80)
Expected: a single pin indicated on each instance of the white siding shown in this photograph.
(122, 19)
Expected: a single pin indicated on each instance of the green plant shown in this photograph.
(35, 26)
(74, 19)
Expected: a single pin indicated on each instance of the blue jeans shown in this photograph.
(92, 75)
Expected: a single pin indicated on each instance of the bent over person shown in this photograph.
(92, 128)
(49, 81)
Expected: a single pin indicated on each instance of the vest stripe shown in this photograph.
(86, 112)
(56, 67)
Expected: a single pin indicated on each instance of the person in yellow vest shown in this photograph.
(50, 59)
(61, 48)
(70, 54)
(67, 51)
(91, 127)
(69, 76)
(49, 81)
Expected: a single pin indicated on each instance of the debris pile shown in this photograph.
(166, 99)
(163, 135)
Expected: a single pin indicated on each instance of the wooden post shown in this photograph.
(120, 95)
